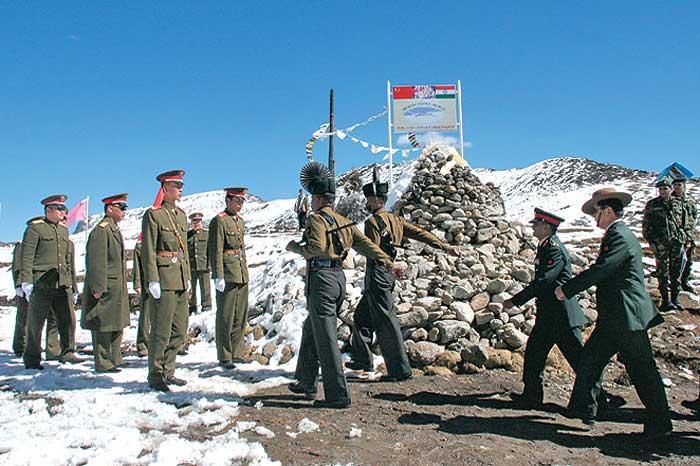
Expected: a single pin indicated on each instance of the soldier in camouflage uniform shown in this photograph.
(105, 297)
(230, 270)
(47, 275)
(662, 228)
(145, 305)
(375, 311)
(166, 269)
(691, 217)
(328, 237)
(199, 265)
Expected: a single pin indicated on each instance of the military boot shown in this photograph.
(665, 305)
(685, 286)
(675, 291)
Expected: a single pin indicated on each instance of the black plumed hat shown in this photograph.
(316, 178)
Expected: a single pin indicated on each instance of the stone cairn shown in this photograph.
(451, 308)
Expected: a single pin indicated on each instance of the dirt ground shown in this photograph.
(467, 419)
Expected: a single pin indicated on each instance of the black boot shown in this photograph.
(675, 291)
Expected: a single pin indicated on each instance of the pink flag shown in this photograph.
(78, 212)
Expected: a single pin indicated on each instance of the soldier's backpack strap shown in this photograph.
(335, 235)
(386, 242)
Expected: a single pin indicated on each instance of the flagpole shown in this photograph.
(388, 124)
(461, 120)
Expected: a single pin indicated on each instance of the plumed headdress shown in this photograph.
(316, 178)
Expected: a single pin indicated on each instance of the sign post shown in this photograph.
(461, 120)
(388, 122)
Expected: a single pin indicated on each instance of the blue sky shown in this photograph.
(97, 98)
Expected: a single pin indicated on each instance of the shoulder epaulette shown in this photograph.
(156, 207)
(103, 224)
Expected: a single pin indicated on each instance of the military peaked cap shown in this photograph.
(172, 175)
(196, 216)
(56, 199)
(238, 192)
(542, 216)
(115, 199)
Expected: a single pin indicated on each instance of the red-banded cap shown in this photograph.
(56, 199)
(172, 175)
(542, 216)
(238, 191)
(115, 199)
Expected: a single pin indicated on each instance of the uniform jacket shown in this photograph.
(319, 243)
(137, 270)
(105, 272)
(664, 221)
(16, 263)
(622, 299)
(552, 269)
(400, 229)
(197, 246)
(691, 216)
(47, 256)
(164, 230)
(227, 248)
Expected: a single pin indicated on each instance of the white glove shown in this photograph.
(18, 292)
(75, 298)
(189, 286)
(219, 284)
(27, 288)
(154, 288)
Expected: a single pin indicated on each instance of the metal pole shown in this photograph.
(388, 125)
(331, 161)
(461, 121)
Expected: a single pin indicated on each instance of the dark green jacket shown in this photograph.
(105, 272)
(197, 245)
(47, 255)
(622, 300)
(16, 263)
(227, 248)
(164, 253)
(136, 270)
(552, 269)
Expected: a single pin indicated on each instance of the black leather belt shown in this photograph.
(317, 263)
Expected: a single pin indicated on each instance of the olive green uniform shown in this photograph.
(375, 311)
(105, 273)
(47, 261)
(165, 260)
(146, 300)
(199, 268)
(325, 292)
(663, 227)
(691, 218)
(625, 312)
(228, 261)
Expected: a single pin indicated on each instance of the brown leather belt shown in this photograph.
(169, 253)
(233, 252)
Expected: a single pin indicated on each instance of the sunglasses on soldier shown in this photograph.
(120, 206)
(60, 207)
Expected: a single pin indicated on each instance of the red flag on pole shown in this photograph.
(78, 212)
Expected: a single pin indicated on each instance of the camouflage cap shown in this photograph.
(665, 181)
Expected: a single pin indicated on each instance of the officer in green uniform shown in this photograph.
(327, 239)
(691, 218)
(199, 265)
(375, 311)
(558, 322)
(105, 297)
(230, 270)
(662, 227)
(625, 312)
(144, 312)
(47, 275)
(166, 269)
(20, 300)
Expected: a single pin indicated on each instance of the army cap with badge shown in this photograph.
(117, 201)
(665, 181)
(55, 202)
(542, 216)
(236, 193)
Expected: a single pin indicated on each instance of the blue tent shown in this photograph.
(675, 170)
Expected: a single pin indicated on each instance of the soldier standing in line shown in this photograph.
(230, 270)
(328, 236)
(691, 217)
(144, 312)
(20, 300)
(558, 322)
(301, 208)
(166, 269)
(662, 227)
(375, 311)
(105, 297)
(625, 313)
(199, 265)
(47, 275)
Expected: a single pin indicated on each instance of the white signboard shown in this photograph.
(425, 108)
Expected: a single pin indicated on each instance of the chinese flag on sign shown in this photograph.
(403, 92)
(78, 212)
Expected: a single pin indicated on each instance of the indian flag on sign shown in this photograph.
(445, 91)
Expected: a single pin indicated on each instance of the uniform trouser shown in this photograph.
(107, 348)
(42, 302)
(231, 319)
(319, 336)
(204, 281)
(668, 267)
(685, 273)
(301, 218)
(53, 347)
(375, 313)
(167, 335)
(144, 322)
(541, 341)
(635, 352)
